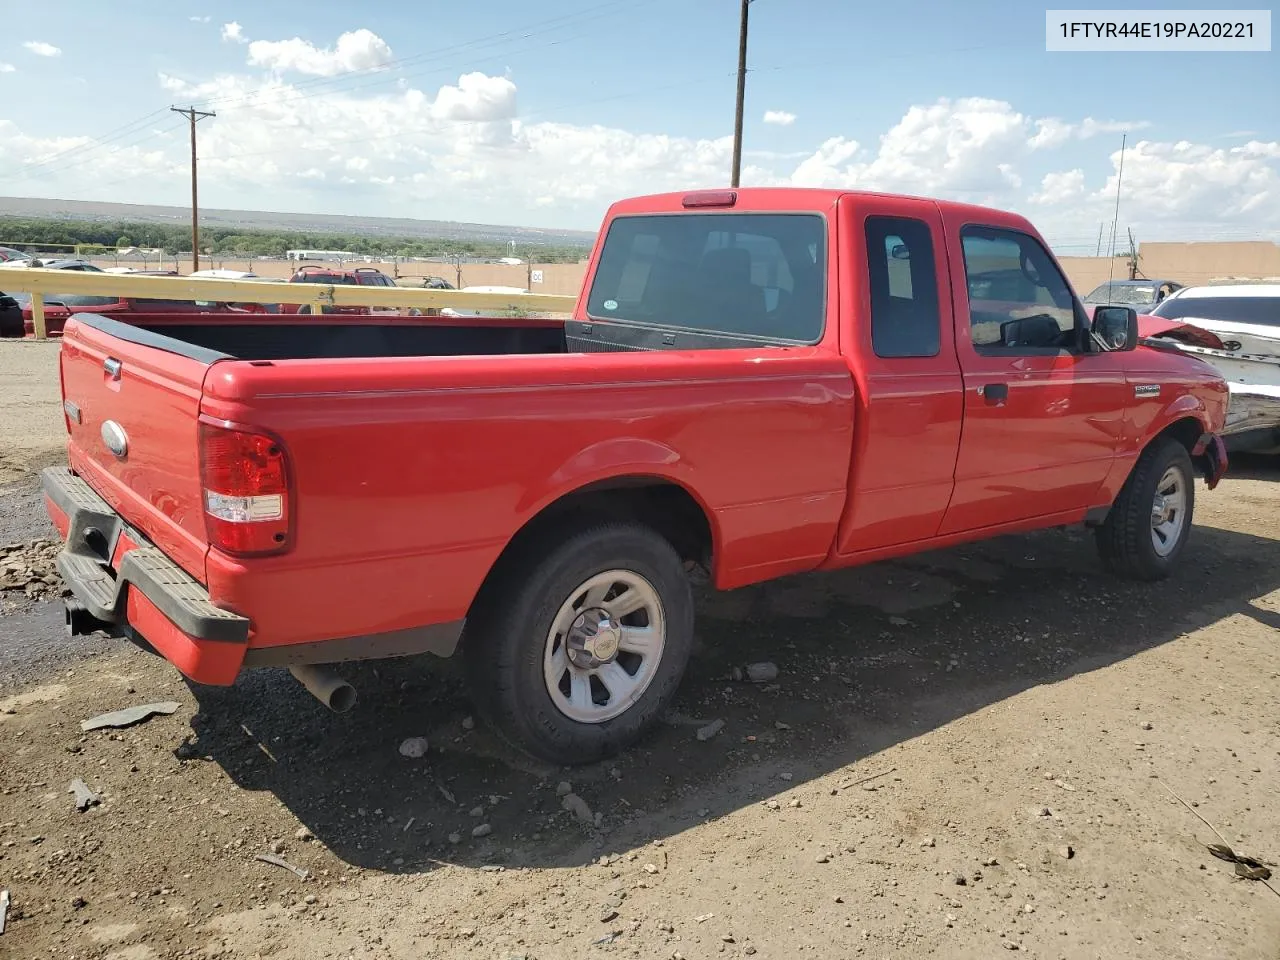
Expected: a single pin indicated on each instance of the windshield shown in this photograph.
(749, 274)
(1122, 293)
(1264, 311)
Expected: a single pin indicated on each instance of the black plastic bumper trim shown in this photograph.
(440, 639)
(94, 529)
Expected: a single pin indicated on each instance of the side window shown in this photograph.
(904, 288)
(1018, 299)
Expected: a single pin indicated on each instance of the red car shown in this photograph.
(359, 276)
(760, 382)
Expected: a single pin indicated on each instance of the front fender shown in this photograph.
(1180, 408)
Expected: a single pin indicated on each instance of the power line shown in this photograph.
(736, 175)
(194, 116)
(110, 136)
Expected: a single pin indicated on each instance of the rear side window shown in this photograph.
(1264, 311)
(904, 288)
(746, 274)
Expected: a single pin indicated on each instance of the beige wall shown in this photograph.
(1185, 263)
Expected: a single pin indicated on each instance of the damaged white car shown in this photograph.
(1245, 318)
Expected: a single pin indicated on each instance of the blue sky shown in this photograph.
(572, 104)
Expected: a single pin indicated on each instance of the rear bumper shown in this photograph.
(121, 578)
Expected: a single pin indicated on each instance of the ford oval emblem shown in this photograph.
(114, 437)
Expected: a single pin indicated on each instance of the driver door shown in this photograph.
(1042, 418)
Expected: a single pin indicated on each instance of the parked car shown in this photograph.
(515, 292)
(10, 316)
(751, 383)
(359, 276)
(58, 307)
(10, 255)
(1142, 295)
(1245, 319)
(245, 307)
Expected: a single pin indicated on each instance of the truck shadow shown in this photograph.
(868, 658)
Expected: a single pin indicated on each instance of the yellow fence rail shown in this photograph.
(46, 284)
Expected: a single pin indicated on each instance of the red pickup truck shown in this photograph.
(759, 382)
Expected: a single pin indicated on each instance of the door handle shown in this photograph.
(994, 393)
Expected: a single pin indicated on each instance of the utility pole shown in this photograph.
(1101, 227)
(1133, 257)
(194, 116)
(742, 93)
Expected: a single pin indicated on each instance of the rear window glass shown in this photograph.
(330, 279)
(1264, 311)
(750, 274)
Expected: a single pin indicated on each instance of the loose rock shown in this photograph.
(578, 807)
(414, 748)
(482, 831)
(710, 730)
(564, 788)
(304, 834)
(1066, 852)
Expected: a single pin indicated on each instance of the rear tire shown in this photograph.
(1150, 521)
(530, 676)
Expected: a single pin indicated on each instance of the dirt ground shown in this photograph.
(966, 753)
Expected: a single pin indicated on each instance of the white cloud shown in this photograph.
(356, 50)
(1057, 188)
(234, 33)
(7, 67)
(1191, 185)
(1052, 132)
(959, 147)
(42, 49)
(779, 118)
(462, 151)
(476, 97)
(205, 19)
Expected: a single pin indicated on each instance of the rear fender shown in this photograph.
(623, 460)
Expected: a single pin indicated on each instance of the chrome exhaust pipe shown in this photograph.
(326, 686)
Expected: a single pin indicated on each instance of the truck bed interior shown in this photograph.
(256, 340)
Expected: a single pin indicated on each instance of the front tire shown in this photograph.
(1147, 528)
(579, 644)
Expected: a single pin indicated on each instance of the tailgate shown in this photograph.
(132, 403)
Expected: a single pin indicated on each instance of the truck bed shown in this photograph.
(252, 339)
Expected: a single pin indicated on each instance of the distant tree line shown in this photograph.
(95, 237)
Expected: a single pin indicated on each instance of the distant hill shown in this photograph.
(83, 211)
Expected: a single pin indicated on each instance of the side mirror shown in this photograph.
(1115, 328)
(900, 252)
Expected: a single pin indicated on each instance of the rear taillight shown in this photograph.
(245, 476)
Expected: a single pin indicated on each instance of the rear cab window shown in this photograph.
(750, 275)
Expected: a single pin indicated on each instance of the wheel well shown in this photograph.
(1187, 432)
(665, 507)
